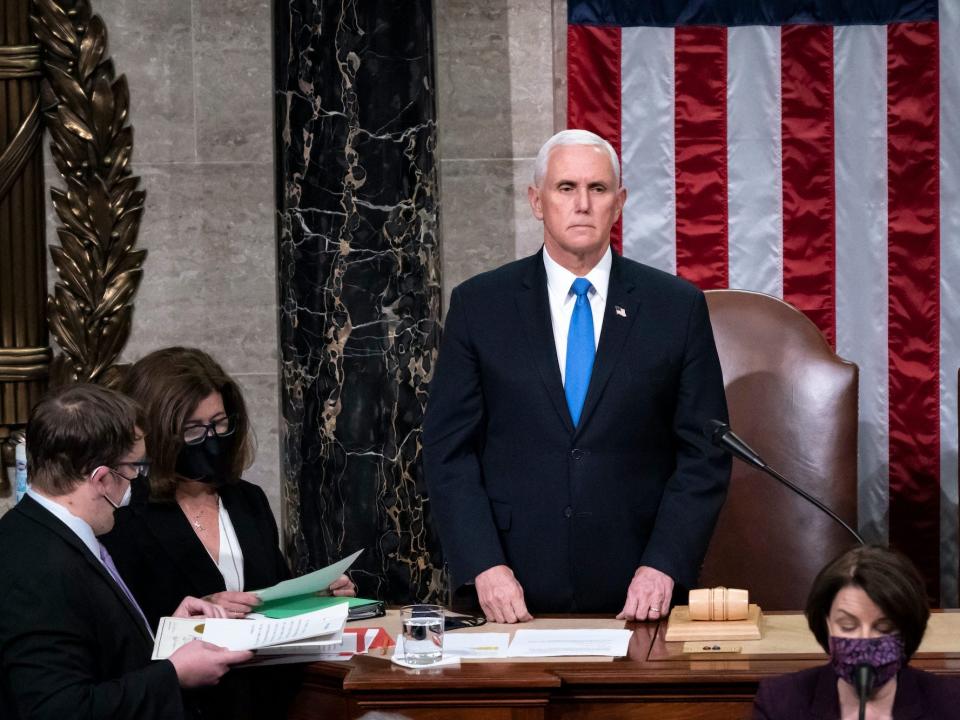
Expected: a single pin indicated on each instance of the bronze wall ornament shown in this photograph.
(24, 346)
(99, 270)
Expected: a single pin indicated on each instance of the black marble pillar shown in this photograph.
(359, 286)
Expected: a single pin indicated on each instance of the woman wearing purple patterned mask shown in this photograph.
(868, 609)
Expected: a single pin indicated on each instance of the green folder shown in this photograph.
(360, 608)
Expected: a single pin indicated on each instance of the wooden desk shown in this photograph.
(656, 681)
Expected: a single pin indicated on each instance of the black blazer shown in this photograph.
(71, 644)
(812, 695)
(574, 512)
(162, 560)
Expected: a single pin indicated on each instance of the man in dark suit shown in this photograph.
(563, 444)
(73, 641)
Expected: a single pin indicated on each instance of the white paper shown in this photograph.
(476, 645)
(253, 634)
(558, 643)
(173, 633)
(317, 581)
(309, 633)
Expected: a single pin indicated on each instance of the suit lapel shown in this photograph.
(534, 307)
(170, 526)
(38, 513)
(618, 319)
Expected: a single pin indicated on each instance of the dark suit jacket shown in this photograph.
(71, 644)
(575, 511)
(162, 560)
(812, 695)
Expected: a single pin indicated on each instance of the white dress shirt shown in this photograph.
(562, 300)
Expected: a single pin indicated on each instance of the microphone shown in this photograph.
(720, 435)
(723, 437)
(863, 677)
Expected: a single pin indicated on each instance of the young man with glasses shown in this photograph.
(73, 639)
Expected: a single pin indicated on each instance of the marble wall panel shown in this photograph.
(359, 267)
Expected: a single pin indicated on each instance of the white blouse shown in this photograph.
(230, 562)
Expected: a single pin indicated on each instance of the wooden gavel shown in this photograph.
(719, 603)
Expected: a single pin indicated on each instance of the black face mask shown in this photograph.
(207, 461)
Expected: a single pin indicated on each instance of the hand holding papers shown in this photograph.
(303, 634)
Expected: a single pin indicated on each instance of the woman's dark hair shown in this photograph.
(888, 578)
(169, 384)
(75, 429)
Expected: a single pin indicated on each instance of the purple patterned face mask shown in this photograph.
(884, 654)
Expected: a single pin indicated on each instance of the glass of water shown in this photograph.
(422, 634)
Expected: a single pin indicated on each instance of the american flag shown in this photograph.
(797, 148)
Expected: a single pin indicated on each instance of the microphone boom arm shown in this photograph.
(720, 435)
(807, 496)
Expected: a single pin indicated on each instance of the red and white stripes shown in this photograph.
(808, 162)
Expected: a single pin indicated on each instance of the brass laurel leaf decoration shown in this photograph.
(100, 208)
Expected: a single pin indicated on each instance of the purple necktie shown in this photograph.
(115, 574)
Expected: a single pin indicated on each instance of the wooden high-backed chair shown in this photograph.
(795, 402)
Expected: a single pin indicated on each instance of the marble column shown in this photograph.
(359, 286)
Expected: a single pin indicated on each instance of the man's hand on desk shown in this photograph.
(648, 597)
(501, 596)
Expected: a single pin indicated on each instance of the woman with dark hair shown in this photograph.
(866, 608)
(196, 528)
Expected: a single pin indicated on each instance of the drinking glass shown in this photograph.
(422, 634)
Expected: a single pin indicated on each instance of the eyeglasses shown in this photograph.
(141, 466)
(221, 427)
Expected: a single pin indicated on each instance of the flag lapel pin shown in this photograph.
(620, 311)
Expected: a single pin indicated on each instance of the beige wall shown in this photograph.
(201, 107)
(495, 110)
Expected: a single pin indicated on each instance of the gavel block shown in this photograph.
(715, 614)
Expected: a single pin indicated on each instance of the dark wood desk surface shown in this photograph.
(654, 681)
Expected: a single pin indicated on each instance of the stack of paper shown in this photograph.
(297, 639)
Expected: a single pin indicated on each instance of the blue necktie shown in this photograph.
(580, 350)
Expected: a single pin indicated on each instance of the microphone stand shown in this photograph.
(863, 681)
(724, 438)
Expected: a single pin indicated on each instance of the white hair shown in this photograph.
(573, 137)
